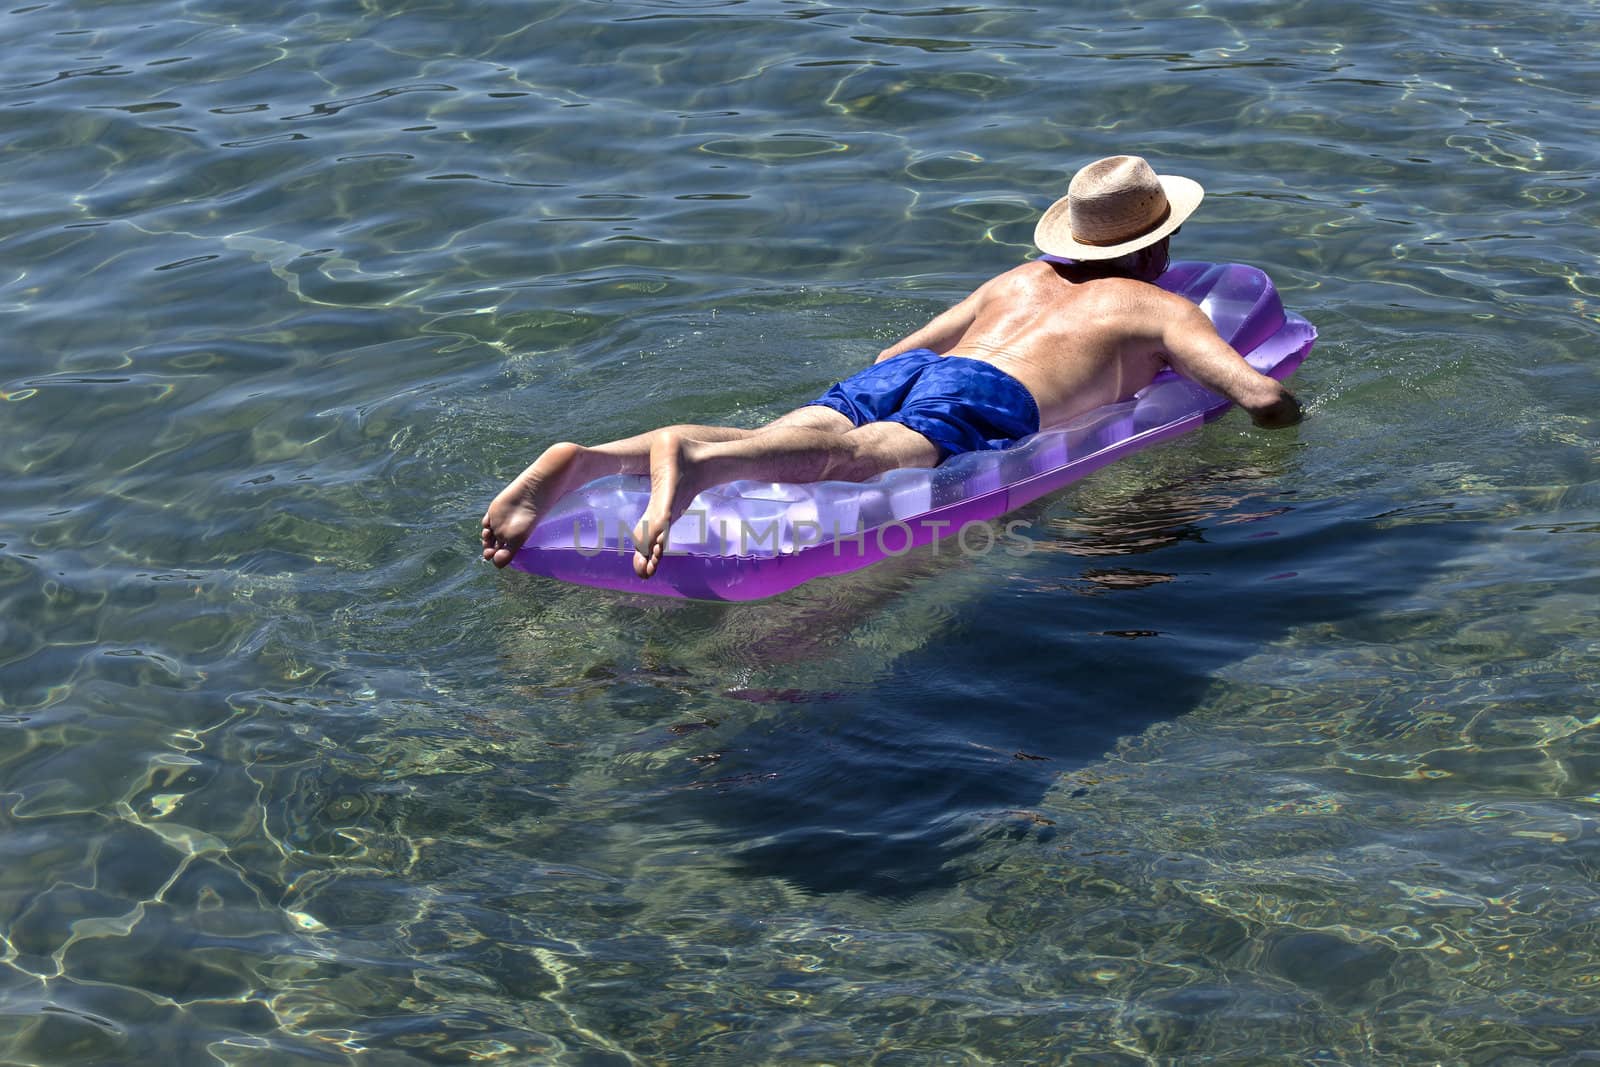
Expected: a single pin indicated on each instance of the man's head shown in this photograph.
(1118, 209)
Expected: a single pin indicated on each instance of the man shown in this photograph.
(1031, 348)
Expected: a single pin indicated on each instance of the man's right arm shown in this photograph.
(940, 334)
(1198, 352)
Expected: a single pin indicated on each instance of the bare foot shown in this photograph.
(672, 464)
(514, 513)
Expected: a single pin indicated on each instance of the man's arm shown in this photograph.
(942, 333)
(1198, 352)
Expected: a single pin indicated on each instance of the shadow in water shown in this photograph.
(1121, 617)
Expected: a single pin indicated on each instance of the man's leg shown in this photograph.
(561, 468)
(564, 467)
(811, 417)
(681, 467)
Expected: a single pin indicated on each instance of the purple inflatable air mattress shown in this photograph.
(746, 540)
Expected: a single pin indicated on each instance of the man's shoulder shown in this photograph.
(1025, 281)
(1113, 295)
(1032, 272)
(1131, 293)
(1043, 272)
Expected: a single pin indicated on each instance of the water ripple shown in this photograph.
(1268, 747)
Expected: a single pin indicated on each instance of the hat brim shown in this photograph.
(1053, 235)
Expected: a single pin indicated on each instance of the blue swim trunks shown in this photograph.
(960, 404)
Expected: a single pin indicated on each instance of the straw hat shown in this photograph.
(1115, 206)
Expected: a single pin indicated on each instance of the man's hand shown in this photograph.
(1283, 410)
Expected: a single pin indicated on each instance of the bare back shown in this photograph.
(1075, 345)
(1079, 344)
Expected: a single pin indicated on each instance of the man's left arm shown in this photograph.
(1198, 352)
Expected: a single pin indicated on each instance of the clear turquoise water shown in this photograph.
(1279, 747)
